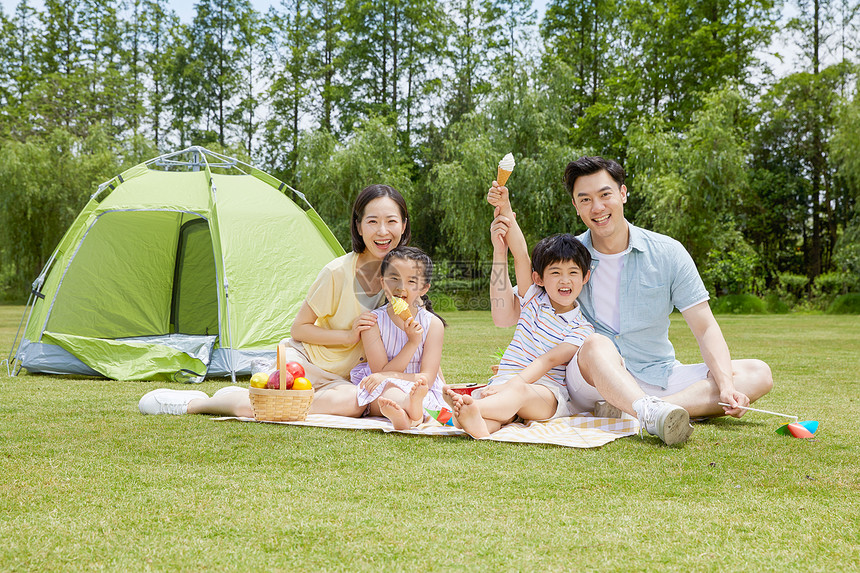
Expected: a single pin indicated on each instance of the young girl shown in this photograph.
(326, 333)
(404, 348)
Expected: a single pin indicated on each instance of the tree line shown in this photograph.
(756, 171)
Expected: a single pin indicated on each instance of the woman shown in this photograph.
(326, 333)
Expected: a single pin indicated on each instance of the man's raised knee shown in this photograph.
(762, 375)
(597, 349)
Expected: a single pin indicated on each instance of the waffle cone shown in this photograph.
(502, 176)
(400, 308)
(405, 314)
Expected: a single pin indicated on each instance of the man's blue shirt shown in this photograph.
(658, 276)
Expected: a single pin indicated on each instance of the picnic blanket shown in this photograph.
(580, 431)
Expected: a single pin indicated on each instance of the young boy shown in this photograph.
(530, 381)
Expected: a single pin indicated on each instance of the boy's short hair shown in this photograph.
(560, 247)
(589, 166)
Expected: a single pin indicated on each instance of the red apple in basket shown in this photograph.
(295, 369)
(275, 381)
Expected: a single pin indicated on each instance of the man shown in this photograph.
(638, 278)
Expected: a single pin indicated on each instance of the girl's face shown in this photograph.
(381, 227)
(404, 279)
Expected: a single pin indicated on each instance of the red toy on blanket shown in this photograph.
(466, 388)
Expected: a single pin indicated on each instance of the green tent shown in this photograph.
(192, 264)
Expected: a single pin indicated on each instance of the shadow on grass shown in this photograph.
(726, 424)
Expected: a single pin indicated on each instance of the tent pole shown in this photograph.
(10, 363)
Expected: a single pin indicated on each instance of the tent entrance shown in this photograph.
(155, 293)
(194, 301)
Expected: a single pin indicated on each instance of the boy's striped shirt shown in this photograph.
(540, 329)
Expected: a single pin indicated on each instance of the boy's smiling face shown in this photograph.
(562, 281)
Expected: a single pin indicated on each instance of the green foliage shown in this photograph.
(738, 304)
(691, 182)
(845, 304)
(459, 186)
(826, 287)
(43, 186)
(733, 269)
(774, 304)
(792, 284)
(332, 174)
(429, 95)
(799, 118)
(441, 301)
(790, 288)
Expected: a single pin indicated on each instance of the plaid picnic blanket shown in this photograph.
(580, 431)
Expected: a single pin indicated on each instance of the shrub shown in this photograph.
(791, 287)
(774, 304)
(471, 299)
(826, 287)
(846, 304)
(442, 302)
(739, 304)
(733, 271)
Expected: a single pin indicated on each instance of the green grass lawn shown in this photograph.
(86, 482)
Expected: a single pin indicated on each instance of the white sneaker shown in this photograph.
(667, 421)
(228, 390)
(167, 401)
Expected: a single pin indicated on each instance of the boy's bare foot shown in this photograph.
(392, 410)
(469, 416)
(415, 400)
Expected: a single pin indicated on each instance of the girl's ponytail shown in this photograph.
(428, 305)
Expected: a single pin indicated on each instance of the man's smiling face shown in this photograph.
(599, 202)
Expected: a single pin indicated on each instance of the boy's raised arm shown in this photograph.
(522, 261)
(504, 306)
(499, 197)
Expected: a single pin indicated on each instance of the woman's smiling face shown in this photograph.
(381, 227)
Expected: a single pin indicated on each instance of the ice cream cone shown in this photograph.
(400, 308)
(506, 167)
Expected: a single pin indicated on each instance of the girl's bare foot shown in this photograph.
(392, 410)
(415, 400)
(469, 416)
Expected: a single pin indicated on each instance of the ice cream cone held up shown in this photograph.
(506, 167)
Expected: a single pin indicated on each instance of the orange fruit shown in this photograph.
(302, 383)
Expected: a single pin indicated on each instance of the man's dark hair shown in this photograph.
(590, 166)
(557, 248)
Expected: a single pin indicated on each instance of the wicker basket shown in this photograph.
(280, 405)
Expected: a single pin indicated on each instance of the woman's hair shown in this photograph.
(416, 255)
(367, 195)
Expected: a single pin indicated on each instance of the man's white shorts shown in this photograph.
(584, 396)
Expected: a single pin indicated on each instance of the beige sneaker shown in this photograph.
(607, 410)
(667, 421)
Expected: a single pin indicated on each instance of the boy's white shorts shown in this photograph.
(561, 394)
